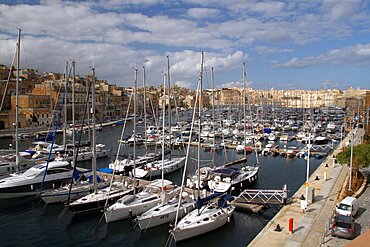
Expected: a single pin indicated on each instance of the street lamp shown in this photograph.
(341, 136)
(308, 166)
(350, 164)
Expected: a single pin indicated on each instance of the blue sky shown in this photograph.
(305, 44)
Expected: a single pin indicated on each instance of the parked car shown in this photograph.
(348, 206)
(343, 226)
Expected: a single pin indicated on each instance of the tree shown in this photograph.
(361, 156)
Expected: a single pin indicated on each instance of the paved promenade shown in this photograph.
(309, 227)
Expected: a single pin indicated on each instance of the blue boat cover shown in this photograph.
(222, 202)
(267, 130)
(91, 179)
(106, 170)
(202, 201)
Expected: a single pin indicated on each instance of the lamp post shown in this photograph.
(308, 166)
(350, 165)
(341, 136)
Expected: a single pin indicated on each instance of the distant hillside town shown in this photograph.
(40, 96)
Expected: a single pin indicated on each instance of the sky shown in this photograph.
(302, 44)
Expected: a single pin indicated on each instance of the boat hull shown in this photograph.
(163, 217)
(30, 189)
(181, 234)
(125, 212)
(96, 206)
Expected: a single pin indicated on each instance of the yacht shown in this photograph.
(95, 202)
(320, 140)
(227, 179)
(267, 149)
(29, 182)
(154, 169)
(204, 176)
(166, 211)
(204, 218)
(134, 205)
(8, 166)
(78, 189)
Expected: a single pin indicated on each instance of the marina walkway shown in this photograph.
(309, 227)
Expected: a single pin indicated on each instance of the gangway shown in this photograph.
(256, 199)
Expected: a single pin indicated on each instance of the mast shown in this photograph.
(200, 116)
(244, 112)
(169, 103)
(134, 152)
(93, 130)
(65, 110)
(16, 102)
(145, 125)
(88, 107)
(213, 115)
(163, 124)
(73, 111)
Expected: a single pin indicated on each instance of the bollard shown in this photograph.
(291, 225)
(325, 176)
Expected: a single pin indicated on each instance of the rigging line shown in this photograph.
(197, 159)
(7, 81)
(187, 153)
(52, 143)
(25, 53)
(55, 106)
(79, 142)
(117, 156)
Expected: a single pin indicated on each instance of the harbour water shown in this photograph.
(27, 221)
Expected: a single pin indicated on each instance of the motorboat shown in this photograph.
(30, 182)
(154, 169)
(8, 163)
(204, 176)
(227, 179)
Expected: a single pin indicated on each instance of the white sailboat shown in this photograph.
(10, 164)
(100, 198)
(227, 179)
(166, 211)
(81, 187)
(207, 216)
(133, 205)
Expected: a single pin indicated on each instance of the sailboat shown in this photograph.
(99, 198)
(47, 175)
(207, 215)
(165, 212)
(156, 168)
(133, 205)
(8, 163)
(226, 179)
(81, 187)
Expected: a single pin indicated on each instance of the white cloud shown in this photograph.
(358, 54)
(338, 9)
(203, 13)
(185, 84)
(270, 50)
(234, 84)
(118, 35)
